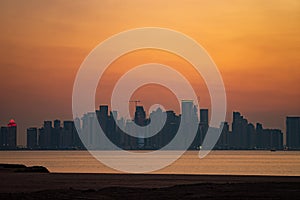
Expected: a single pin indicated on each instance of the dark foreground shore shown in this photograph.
(42, 185)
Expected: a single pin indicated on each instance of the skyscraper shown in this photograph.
(3, 137)
(224, 137)
(90, 136)
(189, 123)
(187, 110)
(203, 127)
(204, 116)
(102, 115)
(293, 132)
(42, 138)
(67, 134)
(140, 119)
(131, 142)
(32, 138)
(47, 133)
(12, 134)
(55, 135)
(239, 131)
(157, 119)
(140, 116)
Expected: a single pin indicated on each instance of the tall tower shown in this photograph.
(140, 116)
(187, 110)
(187, 122)
(293, 132)
(90, 136)
(67, 135)
(3, 137)
(239, 131)
(204, 116)
(140, 119)
(102, 116)
(47, 133)
(203, 127)
(32, 141)
(55, 135)
(12, 134)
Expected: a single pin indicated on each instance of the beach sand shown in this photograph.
(29, 185)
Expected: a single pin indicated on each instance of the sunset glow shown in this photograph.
(254, 43)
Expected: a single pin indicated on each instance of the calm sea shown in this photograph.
(217, 162)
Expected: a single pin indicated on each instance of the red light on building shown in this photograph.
(12, 123)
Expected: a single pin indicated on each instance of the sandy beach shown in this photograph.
(35, 185)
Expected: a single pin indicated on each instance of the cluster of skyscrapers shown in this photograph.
(54, 136)
(242, 135)
(245, 135)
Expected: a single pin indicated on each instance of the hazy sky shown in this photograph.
(255, 44)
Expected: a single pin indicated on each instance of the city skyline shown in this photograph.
(44, 43)
(136, 99)
(147, 115)
(241, 134)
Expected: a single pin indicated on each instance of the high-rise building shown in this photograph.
(55, 135)
(188, 123)
(274, 139)
(3, 137)
(67, 135)
(223, 141)
(170, 130)
(157, 122)
(140, 120)
(239, 131)
(131, 142)
(251, 136)
(111, 131)
(293, 132)
(77, 123)
(203, 127)
(140, 116)
(12, 134)
(32, 138)
(42, 138)
(90, 136)
(186, 111)
(102, 115)
(77, 141)
(48, 133)
(204, 116)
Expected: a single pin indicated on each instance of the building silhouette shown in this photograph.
(67, 135)
(188, 119)
(204, 116)
(157, 117)
(3, 137)
(223, 142)
(55, 134)
(44, 138)
(8, 136)
(243, 134)
(293, 132)
(12, 134)
(203, 126)
(239, 131)
(32, 138)
(54, 137)
(169, 129)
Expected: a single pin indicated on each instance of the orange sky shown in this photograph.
(255, 44)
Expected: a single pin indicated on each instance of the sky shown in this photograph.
(254, 43)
